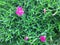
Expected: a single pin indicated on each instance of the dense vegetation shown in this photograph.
(33, 23)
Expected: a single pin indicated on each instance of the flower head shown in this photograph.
(44, 10)
(26, 38)
(42, 38)
(19, 11)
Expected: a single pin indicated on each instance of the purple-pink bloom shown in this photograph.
(42, 38)
(26, 38)
(44, 10)
(19, 11)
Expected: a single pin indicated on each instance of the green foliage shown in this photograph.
(33, 23)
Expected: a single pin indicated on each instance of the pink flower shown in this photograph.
(19, 11)
(42, 38)
(26, 38)
(44, 10)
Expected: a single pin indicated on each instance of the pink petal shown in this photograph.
(43, 38)
(19, 11)
(44, 10)
(26, 38)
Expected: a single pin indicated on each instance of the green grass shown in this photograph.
(33, 23)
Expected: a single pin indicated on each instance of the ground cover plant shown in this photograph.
(29, 22)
